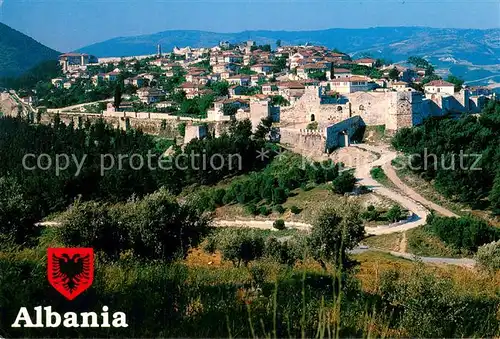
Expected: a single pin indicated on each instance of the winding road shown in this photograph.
(403, 195)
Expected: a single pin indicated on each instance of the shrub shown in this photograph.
(344, 183)
(394, 214)
(283, 252)
(16, 214)
(464, 233)
(156, 227)
(378, 173)
(279, 209)
(252, 209)
(371, 213)
(448, 312)
(229, 197)
(313, 125)
(279, 224)
(295, 210)
(279, 195)
(218, 196)
(241, 246)
(181, 128)
(488, 256)
(264, 210)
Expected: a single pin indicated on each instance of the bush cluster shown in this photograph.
(439, 143)
(155, 227)
(465, 233)
(272, 185)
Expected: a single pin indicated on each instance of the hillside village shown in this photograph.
(310, 92)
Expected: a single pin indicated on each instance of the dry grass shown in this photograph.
(372, 266)
(387, 242)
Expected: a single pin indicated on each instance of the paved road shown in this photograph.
(427, 260)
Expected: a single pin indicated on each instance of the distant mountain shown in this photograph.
(19, 52)
(470, 53)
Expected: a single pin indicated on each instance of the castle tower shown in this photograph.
(158, 51)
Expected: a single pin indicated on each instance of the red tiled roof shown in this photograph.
(341, 70)
(440, 83)
(292, 84)
(366, 60)
(352, 79)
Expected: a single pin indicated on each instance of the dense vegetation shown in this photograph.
(271, 186)
(435, 150)
(277, 292)
(41, 73)
(39, 192)
(298, 285)
(464, 234)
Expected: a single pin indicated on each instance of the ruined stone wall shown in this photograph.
(373, 107)
(149, 126)
(309, 108)
(300, 139)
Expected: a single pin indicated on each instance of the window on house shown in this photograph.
(361, 107)
(339, 108)
(313, 118)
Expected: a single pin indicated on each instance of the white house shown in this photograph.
(149, 95)
(339, 73)
(439, 87)
(262, 68)
(351, 85)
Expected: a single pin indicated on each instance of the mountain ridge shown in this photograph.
(20, 52)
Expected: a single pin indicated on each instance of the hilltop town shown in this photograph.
(309, 92)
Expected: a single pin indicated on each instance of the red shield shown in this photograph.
(70, 270)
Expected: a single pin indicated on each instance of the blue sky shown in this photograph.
(69, 24)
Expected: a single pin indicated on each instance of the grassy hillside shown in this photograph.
(19, 52)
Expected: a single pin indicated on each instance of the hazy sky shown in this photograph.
(69, 24)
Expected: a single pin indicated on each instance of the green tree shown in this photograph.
(344, 183)
(117, 97)
(488, 256)
(181, 128)
(394, 214)
(335, 231)
(279, 224)
(495, 195)
(278, 43)
(16, 215)
(317, 75)
(394, 74)
(455, 81)
(278, 100)
(229, 109)
(221, 88)
(264, 129)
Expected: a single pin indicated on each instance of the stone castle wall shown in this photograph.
(306, 140)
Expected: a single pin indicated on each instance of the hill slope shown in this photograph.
(471, 53)
(19, 52)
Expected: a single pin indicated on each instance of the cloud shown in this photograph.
(1, 3)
